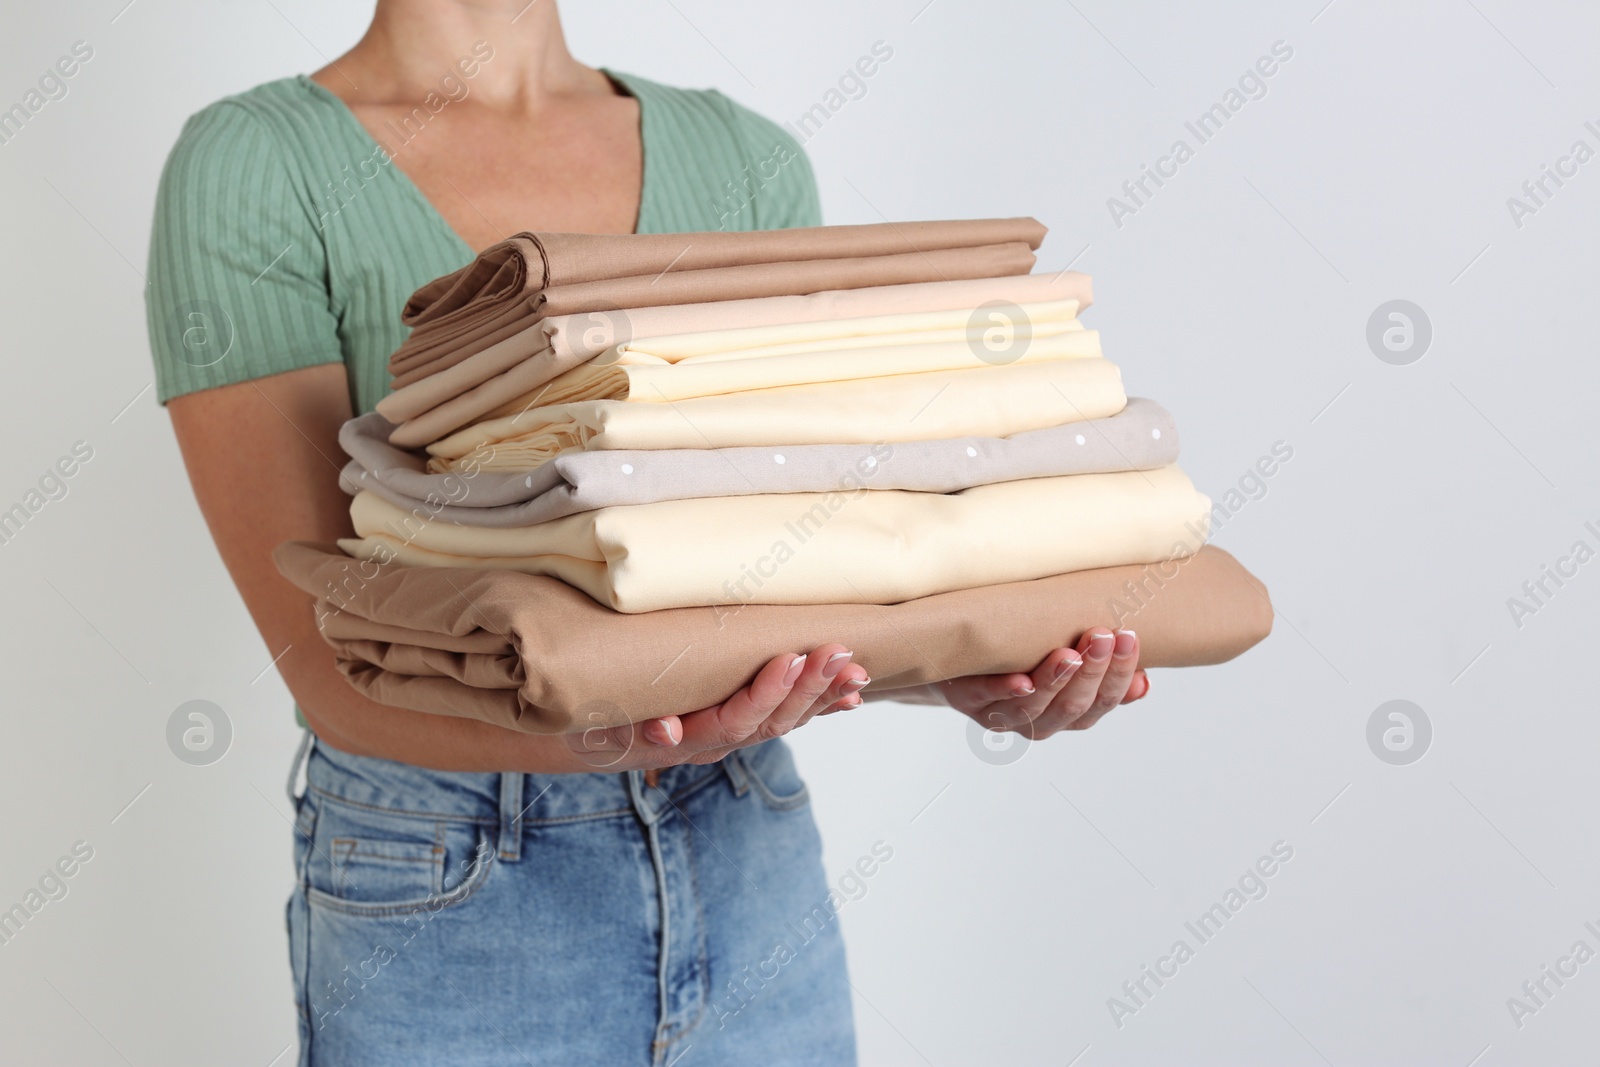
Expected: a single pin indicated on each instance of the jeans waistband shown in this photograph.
(513, 801)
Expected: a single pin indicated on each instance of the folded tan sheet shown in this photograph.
(536, 655)
(530, 261)
(432, 348)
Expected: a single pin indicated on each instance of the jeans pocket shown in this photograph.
(773, 776)
(368, 871)
(368, 863)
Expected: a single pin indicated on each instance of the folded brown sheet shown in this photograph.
(528, 262)
(536, 655)
(443, 343)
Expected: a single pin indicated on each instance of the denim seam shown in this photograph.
(658, 869)
(441, 832)
(353, 842)
(480, 820)
(557, 820)
(459, 895)
(401, 812)
(486, 820)
(692, 788)
(700, 916)
(790, 802)
(304, 879)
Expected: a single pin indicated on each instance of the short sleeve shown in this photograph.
(789, 198)
(238, 279)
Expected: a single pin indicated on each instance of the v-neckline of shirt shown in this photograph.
(354, 124)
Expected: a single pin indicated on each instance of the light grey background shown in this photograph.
(1020, 897)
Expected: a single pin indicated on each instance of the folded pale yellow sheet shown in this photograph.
(1001, 335)
(560, 342)
(867, 547)
(977, 401)
(1040, 318)
(640, 377)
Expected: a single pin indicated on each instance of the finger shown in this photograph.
(848, 702)
(1119, 676)
(815, 689)
(664, 732)
(1078, 695)
(1046, 680)
(1116, 683)
(737, 718)
(978, 691)
(848, 682)
(843, 695)
(1136, 690)
(1049, 678)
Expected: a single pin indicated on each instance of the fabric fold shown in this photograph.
(642, 380)
(562, 342)
(542, 676)
(979, 402)
(1140, 437)
(431, 348)
(870, 546)
(526, 261)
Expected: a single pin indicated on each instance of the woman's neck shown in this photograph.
(411, 42)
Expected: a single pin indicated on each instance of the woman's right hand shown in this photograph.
(786, 694)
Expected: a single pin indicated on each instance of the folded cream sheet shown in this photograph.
(866, 547)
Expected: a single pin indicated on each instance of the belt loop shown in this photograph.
(738, 777)
(510, 845)
(633, 782)
(302, 756)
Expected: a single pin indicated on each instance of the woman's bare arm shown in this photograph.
(263, 458)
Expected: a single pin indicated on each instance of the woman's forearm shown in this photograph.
(263, 457)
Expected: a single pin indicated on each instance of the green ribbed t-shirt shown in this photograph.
(286, 237)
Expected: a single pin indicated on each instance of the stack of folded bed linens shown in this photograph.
(620, 473)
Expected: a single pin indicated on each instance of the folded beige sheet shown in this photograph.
(983, 402)
(867, 547)
(547, 659)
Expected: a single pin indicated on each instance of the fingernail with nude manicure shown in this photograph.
(1022, 691)
(661, 734)
(1124, 643)
(836, 663)
(793, 673)
(1067, 666)
(1100, 646)
(858, 684)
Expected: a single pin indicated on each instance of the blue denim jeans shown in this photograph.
(477, 919)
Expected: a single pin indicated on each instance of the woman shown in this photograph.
(469, 894)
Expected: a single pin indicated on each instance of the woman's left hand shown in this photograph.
(1070, 690)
